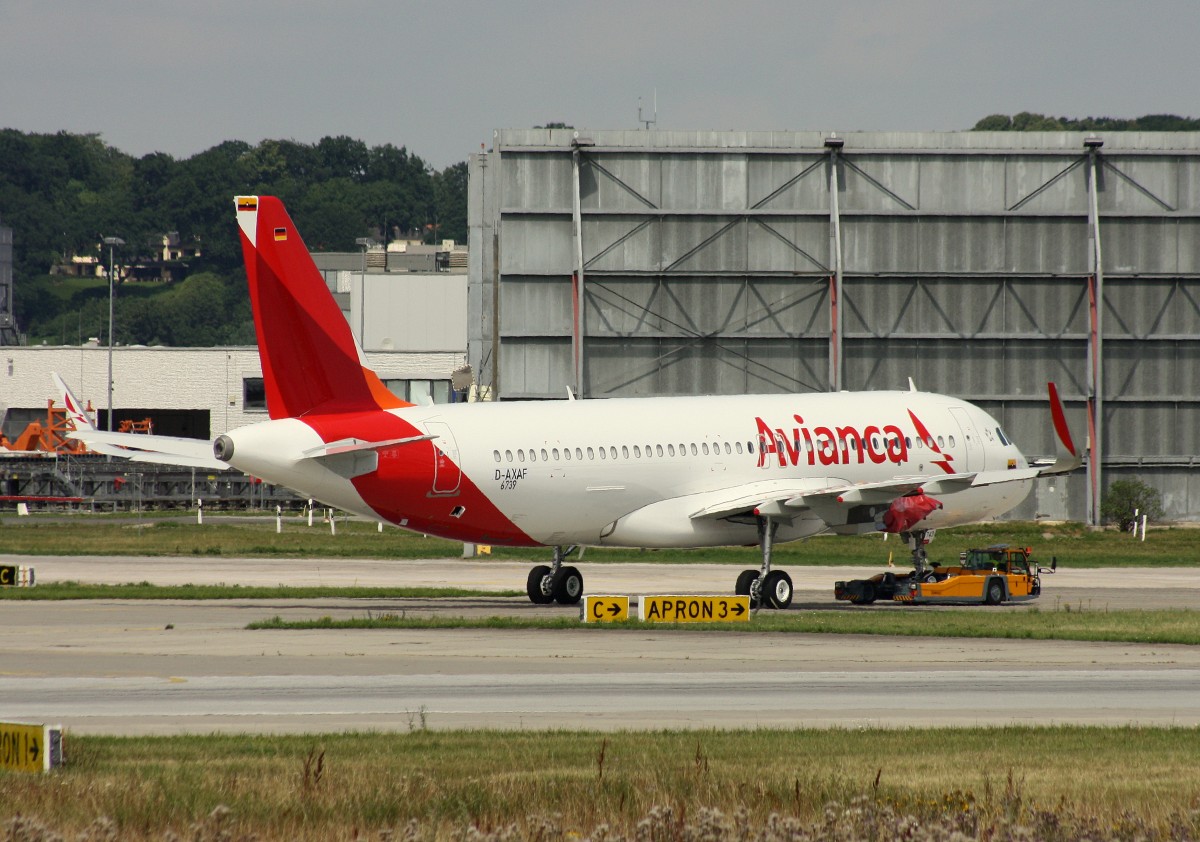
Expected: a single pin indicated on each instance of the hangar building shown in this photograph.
(980, 264)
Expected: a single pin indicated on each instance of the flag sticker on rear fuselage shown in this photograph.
(280, 234)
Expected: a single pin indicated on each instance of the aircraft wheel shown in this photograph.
(538, 594)
(995, 592)
(744, 580)
(777, 589)
(568, 586)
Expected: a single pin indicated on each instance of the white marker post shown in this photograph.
(278, 519)
(310, 510)
(199, 512)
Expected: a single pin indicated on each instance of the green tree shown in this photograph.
(1126, 496)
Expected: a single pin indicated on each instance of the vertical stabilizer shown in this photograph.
(310, 361)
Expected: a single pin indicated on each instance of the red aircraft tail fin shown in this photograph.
(310, 361)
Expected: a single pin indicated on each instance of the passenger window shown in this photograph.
(496, 454)
(739, 448)
(952, 441)
(908, 442)
(555, 453)
(704, 448)
(728, 449)
(749, 447)
(508, 455)
(521, 455)
(637, 452)
(624, 451)
(658, 450)
(579, 454)
(591, 453)
(532, 455)
(567, 453)
(603, 453)
(941, 442)
(670, 450)
(695, 450)
(545, 455)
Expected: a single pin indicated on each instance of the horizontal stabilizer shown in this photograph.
(352, 445)
(161, 450)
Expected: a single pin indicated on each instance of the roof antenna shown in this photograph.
(912, 387)
(647, 123)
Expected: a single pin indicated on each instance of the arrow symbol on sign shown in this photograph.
(738, 609)
(614, 609)
(34, 750)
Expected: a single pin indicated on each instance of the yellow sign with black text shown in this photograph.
(605, 609)
(694, 609)
(8, 574)
(30, 748)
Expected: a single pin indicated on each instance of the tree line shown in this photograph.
(63, 193)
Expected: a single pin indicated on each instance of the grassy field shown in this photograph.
(983, 783)
(1169, 626)
(1074, 545)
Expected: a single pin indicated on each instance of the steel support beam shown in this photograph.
(834, 145)
(1096, 343)
(577, 277)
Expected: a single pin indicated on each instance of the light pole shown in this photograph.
(366, 243)
(111, 242)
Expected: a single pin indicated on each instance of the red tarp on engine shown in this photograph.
(908, 510)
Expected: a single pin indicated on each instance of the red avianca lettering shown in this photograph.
(831, 445)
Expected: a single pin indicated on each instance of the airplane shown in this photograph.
(623, 472)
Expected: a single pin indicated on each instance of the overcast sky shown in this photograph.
(439, 77)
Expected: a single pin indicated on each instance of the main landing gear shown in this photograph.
(555, 583)
(765, 587)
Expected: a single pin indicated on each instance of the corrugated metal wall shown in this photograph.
(968, 261)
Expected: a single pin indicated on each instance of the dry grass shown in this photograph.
(1004, 783)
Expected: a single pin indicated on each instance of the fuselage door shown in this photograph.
(972, 441)
(447, 475)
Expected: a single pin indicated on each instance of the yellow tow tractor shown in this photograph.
(993, 575)
(990, 576)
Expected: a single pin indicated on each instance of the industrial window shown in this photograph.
(254, 394)
(421, 392)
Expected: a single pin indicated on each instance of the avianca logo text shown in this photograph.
(844, 445)
(831, 445)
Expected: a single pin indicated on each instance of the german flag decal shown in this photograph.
(280, 234)
(247, 203)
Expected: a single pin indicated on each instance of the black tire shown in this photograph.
(744, 580)
(868, 593)
(533, 585)
(568, 586)
(994, 594)
(777, 590)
